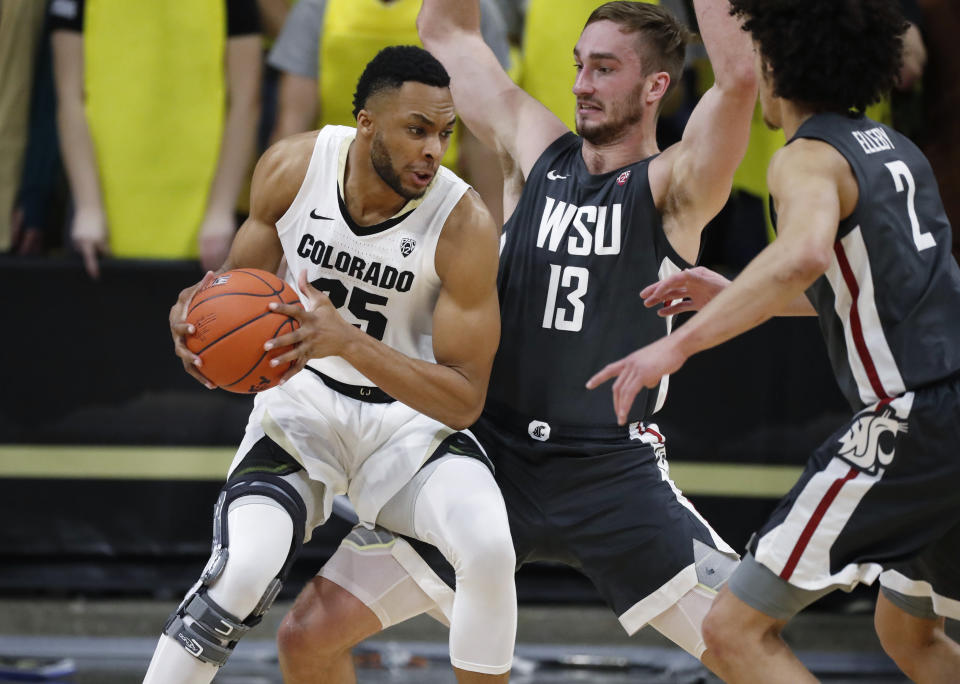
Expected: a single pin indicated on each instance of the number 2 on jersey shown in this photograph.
(555, 316)
(901, 173)
(360, 301)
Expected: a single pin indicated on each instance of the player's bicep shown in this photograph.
(806, 181)
(466, 319)
(713, 144)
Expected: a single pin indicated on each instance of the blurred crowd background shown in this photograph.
(128, 135)
(129, 130)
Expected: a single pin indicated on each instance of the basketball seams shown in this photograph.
(228, 294)
(243, 325)
(256, 365)
(234, 358)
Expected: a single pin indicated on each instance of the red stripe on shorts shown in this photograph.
(814, 521)
(856, 327)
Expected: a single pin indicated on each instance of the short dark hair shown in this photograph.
(663, 38)
(395, 65)
(829, 55)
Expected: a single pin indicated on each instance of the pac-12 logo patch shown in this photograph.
(622, 178)
(870, 442)
(407, 245)
(539, 430)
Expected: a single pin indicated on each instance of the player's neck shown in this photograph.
(638, 142)
(792, 116)
(369, 200)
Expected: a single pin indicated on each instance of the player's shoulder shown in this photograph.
(470, 217)
(280, 172)
(808, 156)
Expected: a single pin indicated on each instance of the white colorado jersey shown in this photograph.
(380, 278)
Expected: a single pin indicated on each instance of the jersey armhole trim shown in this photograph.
(289, 216)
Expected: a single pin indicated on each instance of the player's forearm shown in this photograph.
(769, 285)
(798, 306)
(728, 46)
(442, 392)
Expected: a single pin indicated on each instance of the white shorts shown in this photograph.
(367, 451)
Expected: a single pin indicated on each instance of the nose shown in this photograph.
(582, 85)
(433, 147)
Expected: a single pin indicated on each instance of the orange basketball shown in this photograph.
(232, 319)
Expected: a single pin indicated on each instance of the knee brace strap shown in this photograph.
(211, 625)
(203, 637)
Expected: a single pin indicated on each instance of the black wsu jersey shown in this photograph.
(576, 252)
(889, 305)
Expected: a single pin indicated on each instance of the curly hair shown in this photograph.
(662, 37)
(829, 55)
(395, 65)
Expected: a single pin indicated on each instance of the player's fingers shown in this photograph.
(624, 392)
(291, 310)
(665, 294)
(679, 307)
(191, 368)
(290, 356)
(285, 340)
(182, 329)
(609, 371)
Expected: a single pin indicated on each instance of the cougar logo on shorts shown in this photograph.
(539, 430)
(870, 442)
(407, 245)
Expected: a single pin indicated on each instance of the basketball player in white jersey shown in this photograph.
(395, 261)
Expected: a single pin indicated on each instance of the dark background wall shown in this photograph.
(92, 363)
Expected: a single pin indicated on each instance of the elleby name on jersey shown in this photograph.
(873, 140)
(589, 223)
(372, 272)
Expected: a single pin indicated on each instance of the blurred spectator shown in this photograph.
(21, 24)
(744, 226)
(273, 13)
(322, 49)
(941, 104)
(38, 219)
(157, 110)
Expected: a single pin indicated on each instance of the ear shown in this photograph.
(657, 85)
(365, 122)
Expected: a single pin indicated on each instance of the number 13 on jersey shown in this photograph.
(575, 279)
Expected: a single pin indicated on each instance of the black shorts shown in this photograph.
(607, 507)
(880, 499)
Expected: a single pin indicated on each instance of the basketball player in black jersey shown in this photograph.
(601, 214)
(861, 229)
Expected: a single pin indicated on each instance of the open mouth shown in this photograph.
(422, 178)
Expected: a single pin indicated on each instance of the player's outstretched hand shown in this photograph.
(322, 331)
(642, 368)
(179, 328)
(688, 290)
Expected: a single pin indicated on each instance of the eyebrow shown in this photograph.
(597, 55)
(429, 122)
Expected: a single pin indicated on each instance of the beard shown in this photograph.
(383, 165)
(623, 115)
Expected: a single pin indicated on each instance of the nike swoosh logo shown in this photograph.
(315, 215)
(553, 175)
